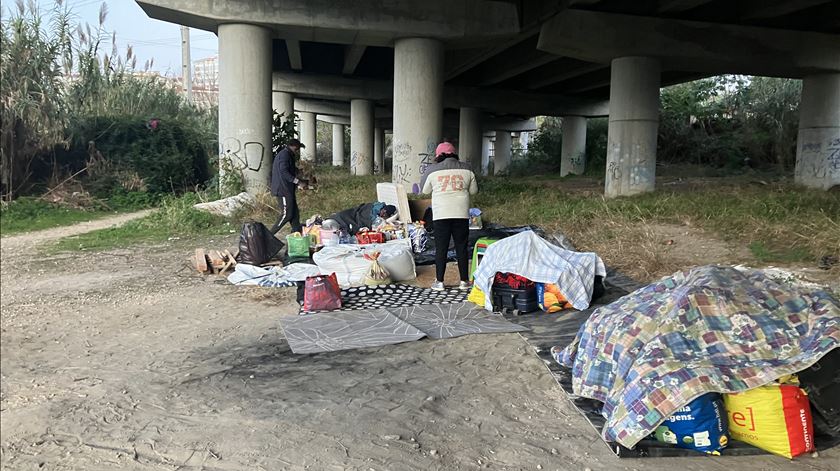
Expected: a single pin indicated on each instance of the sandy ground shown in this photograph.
(127, 360)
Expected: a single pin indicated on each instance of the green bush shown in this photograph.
(169, 158)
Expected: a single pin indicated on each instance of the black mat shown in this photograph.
(560, 329)
(394, 296)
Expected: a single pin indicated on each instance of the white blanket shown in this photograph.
(275, 277)
(527, 254)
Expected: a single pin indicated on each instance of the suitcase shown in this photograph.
(519, 300)
(822, 383)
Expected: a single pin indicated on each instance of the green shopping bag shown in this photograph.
(298, 245)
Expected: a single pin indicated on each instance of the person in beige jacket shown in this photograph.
(450, 183)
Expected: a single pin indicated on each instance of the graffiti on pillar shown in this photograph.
(254, 152)
(577, 160)
(614, 170)
(833, 156)
(243, 156)
(354, 160)
(639, 175)
(401, 151)
(426, 159)
(401, 173)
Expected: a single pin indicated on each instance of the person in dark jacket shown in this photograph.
(353, 219)
(284, 183)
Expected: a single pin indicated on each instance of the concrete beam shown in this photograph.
(757, 9)
(511, 125)
(295, 60)
(673, 6)
(366, 22)
(333, 86)
(460, 61)
(332, 108)
(691, 46)
(518, 69)
(333, 119)
(352, 56)
(494, 100)
(522, 103)
(553, 76)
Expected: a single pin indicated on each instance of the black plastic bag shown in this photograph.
(257, 244)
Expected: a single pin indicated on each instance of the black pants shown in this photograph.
(458, 229)
(289, 212)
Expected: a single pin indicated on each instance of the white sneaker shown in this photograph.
(465, 286)
(438, 286)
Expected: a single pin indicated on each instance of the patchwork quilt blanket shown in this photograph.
(708, 329)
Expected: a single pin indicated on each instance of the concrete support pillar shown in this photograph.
(338, 145)
(818, 142)
(378, 150)
(418, 107)
(502, 152)
(308, 136)
(486, 145)
(573, 153)
(469, 137)
(361, 137)
(634, 124)
(245, 102)
(283, 103)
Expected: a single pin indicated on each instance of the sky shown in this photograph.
(150, 39)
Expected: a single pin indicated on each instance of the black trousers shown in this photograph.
(289, 213)
(459, 230)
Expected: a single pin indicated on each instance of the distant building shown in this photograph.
(206, 81)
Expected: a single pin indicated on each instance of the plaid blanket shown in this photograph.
(528, 255)
(708, 329)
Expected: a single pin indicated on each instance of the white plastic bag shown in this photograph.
(348, 262)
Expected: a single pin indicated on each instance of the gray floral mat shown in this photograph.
(344, 330)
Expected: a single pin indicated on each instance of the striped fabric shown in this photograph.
(527, 254)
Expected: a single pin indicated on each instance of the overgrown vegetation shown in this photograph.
(71, 107)
(727, 122)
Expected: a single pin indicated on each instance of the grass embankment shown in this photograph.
(31, 214)
(778, 223)
(176, 218)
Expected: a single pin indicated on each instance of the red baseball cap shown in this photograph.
(445, 148)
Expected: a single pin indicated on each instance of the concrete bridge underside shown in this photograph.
(420, 67)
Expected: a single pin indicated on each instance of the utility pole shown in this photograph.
(186, 64)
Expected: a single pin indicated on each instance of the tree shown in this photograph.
(32, 59)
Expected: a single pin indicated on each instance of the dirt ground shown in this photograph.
(126, 359)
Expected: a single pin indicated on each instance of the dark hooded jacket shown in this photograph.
(283, 173)
(353, 219)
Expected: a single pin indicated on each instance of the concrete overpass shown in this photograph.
(511, 59)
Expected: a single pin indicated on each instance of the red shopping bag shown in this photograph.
(370, 237)
(321, 293)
